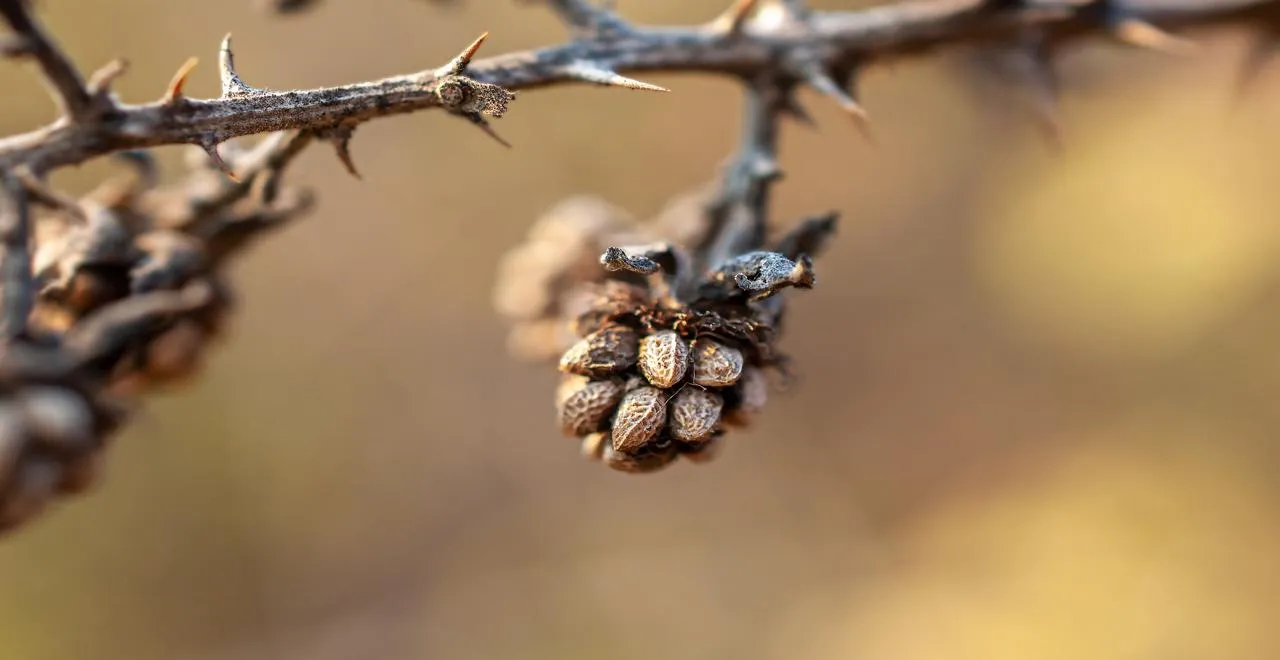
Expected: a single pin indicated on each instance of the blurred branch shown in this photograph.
(16, 287)
(802, 43)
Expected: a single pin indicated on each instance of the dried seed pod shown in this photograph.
(716, 365)
(58, 417)
(695, 414)
(649, 459)
(664, 358)
(584, 405)
(603, 352)
(640, 418)
(752, 393)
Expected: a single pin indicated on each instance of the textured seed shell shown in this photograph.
(640, 418)
(716, 365)
(603, 352)
(647, 460)
(694, 414)
(584, 405)
(664, 358)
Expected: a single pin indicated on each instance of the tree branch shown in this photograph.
(64, 80)
(833, 40)
(17, 291)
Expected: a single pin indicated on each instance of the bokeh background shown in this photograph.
(1036, 415)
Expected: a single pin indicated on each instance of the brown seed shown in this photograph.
(640, 418)
(584, 405)
(695, 413)
(603, 352)
(58, 417)
(650, 459)
(716, 365)
(664, 358)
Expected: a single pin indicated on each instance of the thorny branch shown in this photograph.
(131, 290)
(808, 46)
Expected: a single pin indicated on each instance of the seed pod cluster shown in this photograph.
(642, 386)
(129, 293)
(130, 238)
(660, 351)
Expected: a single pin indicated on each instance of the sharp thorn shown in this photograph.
(210, 147)
(1141, 34)
(232, 85)
(483, 124)
(174, 93)
(100, 81)
(458, 65)
(824, 84)
(734, 18)
(591, 73)
(341, 140)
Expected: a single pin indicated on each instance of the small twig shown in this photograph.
(74, 99)
(17, 290)
(740, 216)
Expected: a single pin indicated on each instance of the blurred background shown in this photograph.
(1035, 416)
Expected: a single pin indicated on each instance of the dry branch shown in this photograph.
(126, 297)
(807, 47)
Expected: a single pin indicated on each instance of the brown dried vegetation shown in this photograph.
(664, 330)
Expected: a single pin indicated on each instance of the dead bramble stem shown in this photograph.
(128, 291)
(818, 48)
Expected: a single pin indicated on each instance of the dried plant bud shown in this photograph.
(695, 414)
(716, 365)
(664, 358)
(752, 392)
(58, 417)
(639, 419)
(606, 351)
(649, 459)
(584, 405)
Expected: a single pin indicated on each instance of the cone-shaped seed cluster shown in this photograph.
(641, 393)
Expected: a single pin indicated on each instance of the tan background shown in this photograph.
(1036, 418)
